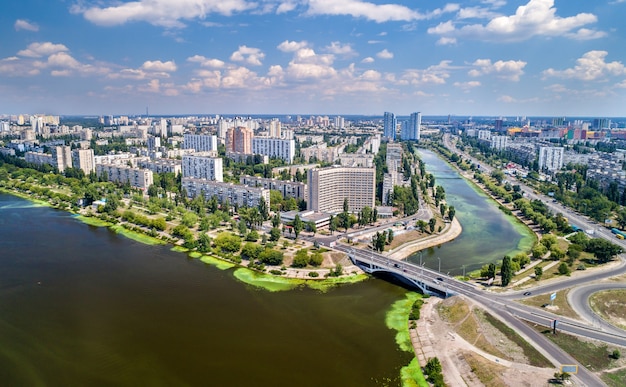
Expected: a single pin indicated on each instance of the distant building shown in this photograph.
(289, 189)
(203, 166)
(394, 157)
(200, 142)
(412, 128)
(389, 126)
(499, 142)
(329, 187)
(551, 158)
(239, 140)
(235, 194)
(275, 147)
(62, 156)
(136, 177)
(84, 160)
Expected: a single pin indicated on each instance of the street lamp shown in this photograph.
(439, 259)
(421, 257)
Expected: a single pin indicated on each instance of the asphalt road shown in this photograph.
(578, 298)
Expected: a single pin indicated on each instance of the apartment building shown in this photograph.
(328, 187)
(289, 189)
(136, 177)
(239, 195)
(203, 166)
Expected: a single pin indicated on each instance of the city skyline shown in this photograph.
(480, 57)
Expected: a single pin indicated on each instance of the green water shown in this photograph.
(83, 306)
(488, 234)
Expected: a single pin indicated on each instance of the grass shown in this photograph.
(614, 379)
(487, 372)
(611, 305)
(593, 357)
(564, 309)
(535, 358)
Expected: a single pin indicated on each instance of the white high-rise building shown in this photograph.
(551, 157)
(200, 142)
(153, 143)
(84, 159)
(389, 126)
(413, 126)
(203, 166)
(274, 147)
(275, 128)
(62, 156)
(329, 187)
(339, 122)
(499, 142)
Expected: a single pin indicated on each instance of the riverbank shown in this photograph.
(452, 230)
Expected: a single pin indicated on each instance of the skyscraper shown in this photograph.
(415, 123)
(389, 126)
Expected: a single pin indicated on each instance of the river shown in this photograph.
(81, 305)
(488, 234)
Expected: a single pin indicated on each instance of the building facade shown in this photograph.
(200, 142)
(551, 158)
(329, 187)
(275, 147)
(203, 166)
(239, 140)
(289, 189)
(239, 195)
(84, 159)
(136, 177)
(389, 126)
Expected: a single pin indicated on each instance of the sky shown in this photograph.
(476, 57)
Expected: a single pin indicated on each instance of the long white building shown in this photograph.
(203, 166)
(289, 189)
(328, 187)
(84, 159)
(200, 142)
(284, 149)
(240, 195)
(136, 177)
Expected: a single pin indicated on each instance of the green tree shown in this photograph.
(538, 273)
(451, 212)
(564, 269)
(421, 225)
(274, 234)
(228, 242)
(298, 225)
(300, 259)
(603, 250)
(548, 240)
(431, 224)
(539, 251)
(189, 219)
(204, 243)
(271, 257)
(506, 271)
(389, 236)
(316, 259)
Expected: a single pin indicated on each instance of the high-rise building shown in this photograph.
(389, 126)
(84, 159)
(551, 157)
(413, 127)
(62, 156)
(275, 128)
(239, 195)
(339, 122)
(499, 142)
(153, 143)
(203, 166)
(394, 157)
(329, 187)
(274, 147)
(239, 140)
(200, 142)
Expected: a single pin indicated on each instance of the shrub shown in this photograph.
(314, 274)
(276, 272)
(616, 354)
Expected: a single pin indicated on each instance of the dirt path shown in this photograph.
(434, 337)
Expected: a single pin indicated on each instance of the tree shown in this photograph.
(539, 251)
(276, 220)
(301, 258)
(316, 259)
(564, 269)
(274, 234)
(451, 212)
(616, 354)
(497, 175)
(548, 240)
(491, 270)
(538, 273)
(506, 271)
(603, 250)
(421, 225)
(431, 224)
(390, 237)
(189, 219)
(228, 242)
(298, 225)
(442, 209)
(311, 227)
(332, 226)
(271, 257)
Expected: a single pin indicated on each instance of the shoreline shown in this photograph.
(452, 231)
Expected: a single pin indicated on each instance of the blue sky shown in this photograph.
(477, 57)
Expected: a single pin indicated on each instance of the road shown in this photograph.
(578, 298)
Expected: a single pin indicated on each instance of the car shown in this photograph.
(439, 279)
(527, 293)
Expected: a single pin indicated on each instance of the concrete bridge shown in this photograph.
(426, 280)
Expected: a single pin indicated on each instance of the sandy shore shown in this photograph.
(450, 232)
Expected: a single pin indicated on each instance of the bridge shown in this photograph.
(426, 280)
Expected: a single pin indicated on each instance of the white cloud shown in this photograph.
(14, 67)
(292, 46)
(590, 67)
(307, 64)
(466, 86)
(510, 70)
(164, 13)
(38, 50)
(158, 66)
(621, 85)
(369, 59)
(249, 55)
(25, 25)
(443, 41)
(206, 62)
(360, 9)
(536, 18)
(285, 7)
(436, 74)
(385, 54)
(340, 49)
